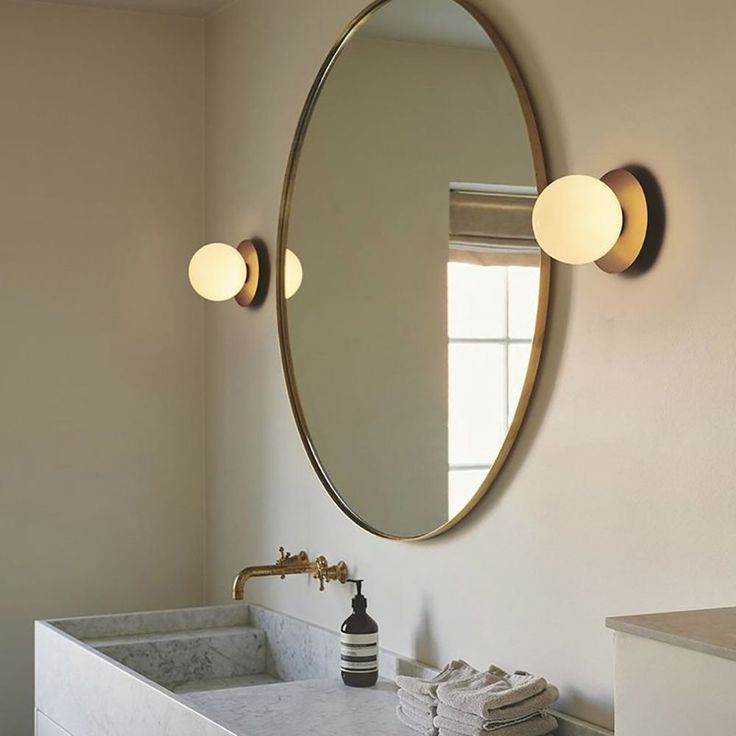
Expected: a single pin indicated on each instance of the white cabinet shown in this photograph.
(676, 673)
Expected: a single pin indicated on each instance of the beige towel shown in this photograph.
(456, 670)
(423, 704)
(425, 727)
(485, 692)
(538, 726)
(425, 716)
(508, 715)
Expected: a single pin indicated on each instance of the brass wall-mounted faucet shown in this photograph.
(289, 564)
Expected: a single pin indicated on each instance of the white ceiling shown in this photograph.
(441, 22)
(173, 7)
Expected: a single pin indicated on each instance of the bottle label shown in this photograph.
(359, 652)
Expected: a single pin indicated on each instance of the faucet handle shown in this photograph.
(325, 572)
(283, 560)
(322, 571)
(286, 559)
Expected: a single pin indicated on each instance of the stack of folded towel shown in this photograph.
(497, 703)
(418, 697)
(461, 701)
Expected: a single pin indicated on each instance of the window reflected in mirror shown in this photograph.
(492, 352)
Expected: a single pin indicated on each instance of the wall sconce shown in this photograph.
(580, 219)
(218, 272)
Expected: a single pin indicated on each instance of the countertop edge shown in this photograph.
(628, 625)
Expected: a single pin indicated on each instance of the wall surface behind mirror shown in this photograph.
(619, 495)
(101, 463)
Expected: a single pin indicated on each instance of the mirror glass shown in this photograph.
(412, 342)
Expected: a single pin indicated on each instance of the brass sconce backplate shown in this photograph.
(248, 293)
(633, 202)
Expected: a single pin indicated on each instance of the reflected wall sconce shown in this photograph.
(218, 272)
(580, 219)
(293, 274)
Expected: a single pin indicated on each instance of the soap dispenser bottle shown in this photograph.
(359, 644)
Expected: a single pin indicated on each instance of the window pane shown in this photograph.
(476, 300)
(518, 363)
(523, 296)
(461, 487)
(477, 402)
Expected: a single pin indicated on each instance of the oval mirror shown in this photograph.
(412, 296)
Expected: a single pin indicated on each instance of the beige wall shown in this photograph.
(101, 462)
(370, 223)
(619, 495)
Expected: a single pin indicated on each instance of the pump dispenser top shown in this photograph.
(359, 644)
(360, 602)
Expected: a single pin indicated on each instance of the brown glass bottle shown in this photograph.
(359, 644)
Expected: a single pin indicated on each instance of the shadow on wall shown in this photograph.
(425, 646)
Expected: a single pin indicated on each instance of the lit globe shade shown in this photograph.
(217, 272)
(293, 274)
(577, 219)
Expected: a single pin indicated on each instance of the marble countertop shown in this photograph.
(235, 670)
(214, 671)
(319, 707)
(710, 631)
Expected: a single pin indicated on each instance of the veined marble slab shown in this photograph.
(152, 622)
(317, 707)
(85, 693)
(184, 656)
(234, 670)
(297, 650)
(224, 683)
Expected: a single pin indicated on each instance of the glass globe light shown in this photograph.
(217, 272)
(577, 219)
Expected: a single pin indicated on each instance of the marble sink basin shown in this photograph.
(204, 649)
(196, 659)
(235, 670)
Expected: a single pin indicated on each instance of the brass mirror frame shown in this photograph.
(544, 271)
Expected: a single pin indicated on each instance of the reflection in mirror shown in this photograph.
(415, 335)
(492, 293)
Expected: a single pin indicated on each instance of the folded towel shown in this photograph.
(456, 670)
(418, 701)
(502, 716)
(426, 728)
(537, 702)
(420, 715)
(421, 703)
(476, 724)
(485, 692)
(537, 726)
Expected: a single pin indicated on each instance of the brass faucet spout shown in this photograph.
(289, 564)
